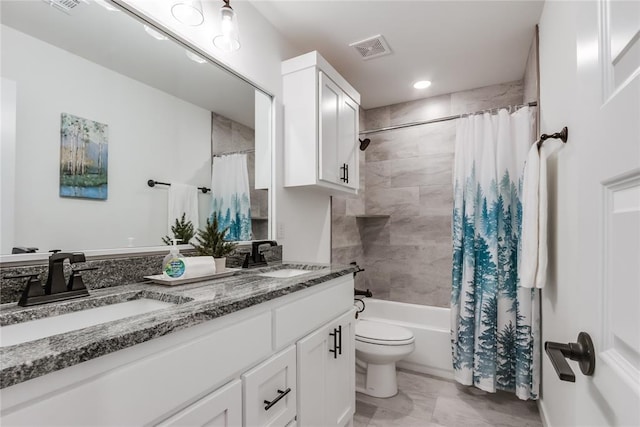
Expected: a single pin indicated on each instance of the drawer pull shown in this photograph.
(277, 399)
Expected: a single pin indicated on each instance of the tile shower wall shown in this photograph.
(228, 136)
(399, 229)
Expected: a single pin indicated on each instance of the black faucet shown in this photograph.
(256, 257)
(55, 289)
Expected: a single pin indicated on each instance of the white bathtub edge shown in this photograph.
(428, 370)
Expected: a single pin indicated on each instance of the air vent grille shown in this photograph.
(372, 47)
(63, 5)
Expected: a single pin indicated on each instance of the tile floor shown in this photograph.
(424, 401)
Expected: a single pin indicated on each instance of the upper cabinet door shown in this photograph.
(330, 130)
(347, 145)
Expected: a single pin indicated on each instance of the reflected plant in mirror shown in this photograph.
(164, 114)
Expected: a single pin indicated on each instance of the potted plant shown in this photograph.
(210, 242)
(182, 231)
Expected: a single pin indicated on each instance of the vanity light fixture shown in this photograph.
(195, 58)
(154, 33)
(422, 84)
(188, 12)
(228, 40)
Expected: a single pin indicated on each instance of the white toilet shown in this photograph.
(380, 345)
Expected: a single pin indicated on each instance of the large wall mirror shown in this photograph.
(95, 104)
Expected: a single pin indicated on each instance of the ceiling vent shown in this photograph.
(63, 5)
(372, 47)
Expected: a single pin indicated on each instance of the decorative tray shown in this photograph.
(162, 280)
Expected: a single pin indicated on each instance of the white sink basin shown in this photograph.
(284, 273)
(48, 326)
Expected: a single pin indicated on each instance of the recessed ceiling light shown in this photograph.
(154, 33)
(195, 58)
(422, 84)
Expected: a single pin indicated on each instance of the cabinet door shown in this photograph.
(326, 375)
(348, 143)
(222, 408)
(270, 391)
(340, 373)
(312, 367)
(328, 127)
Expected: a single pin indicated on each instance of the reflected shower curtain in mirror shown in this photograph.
(495, 331)
(230, 190)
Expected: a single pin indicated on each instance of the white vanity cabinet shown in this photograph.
(326, 371)
(241, 369)
(222, 408)
(321, 122)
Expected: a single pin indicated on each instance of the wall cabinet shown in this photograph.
(326, 372)
(321, 126)
(240, 369)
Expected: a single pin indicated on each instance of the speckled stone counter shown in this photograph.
(194, 303)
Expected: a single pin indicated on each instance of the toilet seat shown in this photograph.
(378, 333)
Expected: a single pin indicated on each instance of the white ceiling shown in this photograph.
(458, 45)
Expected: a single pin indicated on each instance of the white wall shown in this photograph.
(302, 218)
(7, 164)
(152, 135)
(558, 70)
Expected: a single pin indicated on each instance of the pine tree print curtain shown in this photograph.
(230, 191)
(494, 321)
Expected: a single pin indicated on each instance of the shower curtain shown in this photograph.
(230, 190)
(494, 322)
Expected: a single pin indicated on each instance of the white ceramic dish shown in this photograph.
(162, 280)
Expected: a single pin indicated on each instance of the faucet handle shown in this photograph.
(33, 289)
(75, 281)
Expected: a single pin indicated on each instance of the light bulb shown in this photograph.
(228, 39)
(422, 84)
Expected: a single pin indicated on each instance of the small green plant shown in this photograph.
(182, 231)
(210, 241)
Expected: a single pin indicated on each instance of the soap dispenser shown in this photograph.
(173, 264)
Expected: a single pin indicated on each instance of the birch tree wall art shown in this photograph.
(83, 158)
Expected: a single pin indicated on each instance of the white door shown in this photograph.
(348, 143)
(590, 82)
(312, 361)
(330, 95)
(341, 369)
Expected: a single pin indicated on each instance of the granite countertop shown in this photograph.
(195, 303)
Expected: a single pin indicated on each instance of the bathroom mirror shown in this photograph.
(95, 104)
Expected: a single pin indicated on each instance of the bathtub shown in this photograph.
(430, 326)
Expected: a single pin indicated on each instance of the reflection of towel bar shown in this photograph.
(562, 136)
(152, 183)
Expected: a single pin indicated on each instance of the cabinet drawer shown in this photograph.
(297, 319)
(270, 391)
(222, 408)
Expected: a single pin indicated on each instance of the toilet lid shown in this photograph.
(371, 331)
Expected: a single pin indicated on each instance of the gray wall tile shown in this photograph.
(436, 199)
(421, 109)
(487, 97)
(377, 118)
(403, 201)
(378, 174)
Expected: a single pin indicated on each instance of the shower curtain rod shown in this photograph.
(251, 150)
(445, 119)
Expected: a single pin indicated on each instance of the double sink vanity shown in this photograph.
(268, 346)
